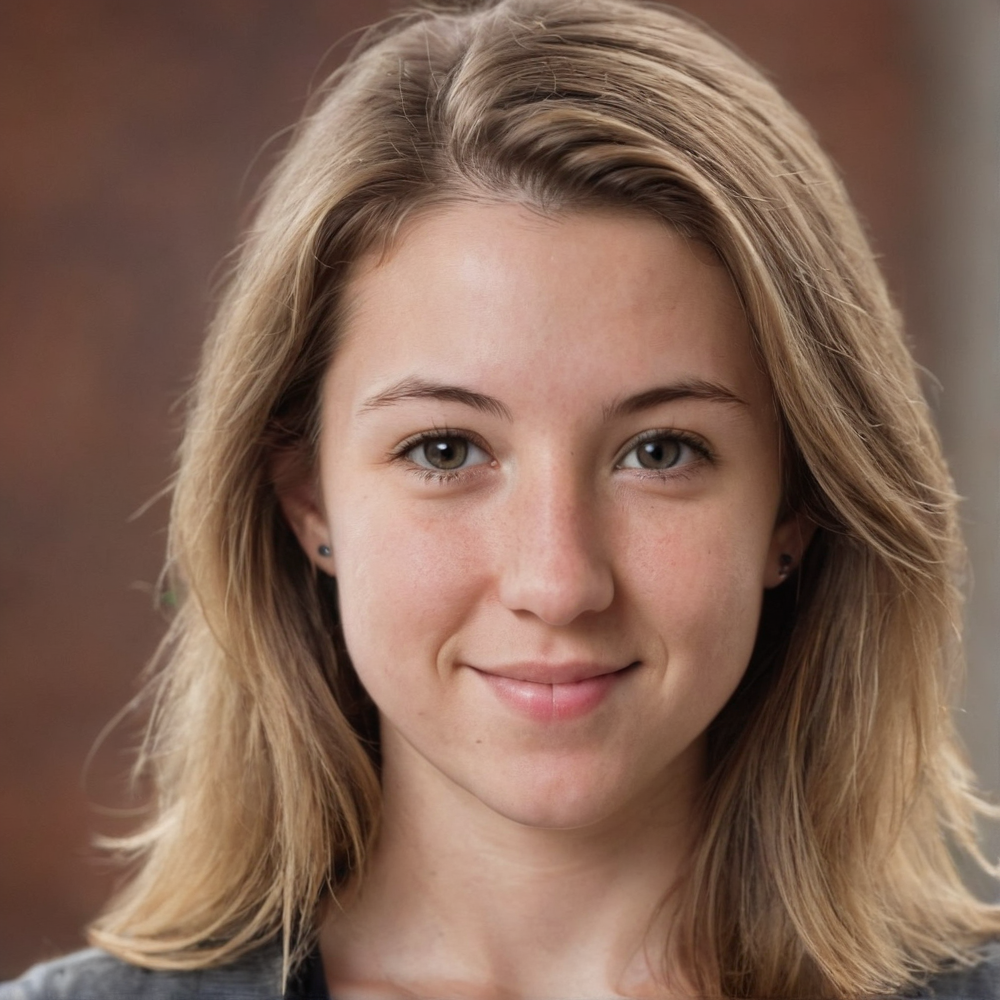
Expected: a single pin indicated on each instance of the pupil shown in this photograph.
(445, 453)
(658, 454)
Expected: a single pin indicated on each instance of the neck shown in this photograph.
(459, 900)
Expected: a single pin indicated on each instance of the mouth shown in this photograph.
(554, 692)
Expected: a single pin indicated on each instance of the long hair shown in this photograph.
(836, 795)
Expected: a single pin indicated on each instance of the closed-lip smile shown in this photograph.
(542, 672)
(549, 692)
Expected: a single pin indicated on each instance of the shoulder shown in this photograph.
(975, 982)
(96, 975)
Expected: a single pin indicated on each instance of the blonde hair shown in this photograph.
(836, 790)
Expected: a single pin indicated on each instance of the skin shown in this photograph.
(526, 854)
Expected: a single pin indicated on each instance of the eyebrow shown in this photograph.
(696, 388)
(419, 388)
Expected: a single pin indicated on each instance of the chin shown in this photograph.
(552, 796)
(549, 815)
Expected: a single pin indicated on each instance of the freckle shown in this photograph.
(479, 741)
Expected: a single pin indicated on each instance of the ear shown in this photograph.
(299, 496)
(789, 542)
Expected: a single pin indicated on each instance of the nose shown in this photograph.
(553, 560)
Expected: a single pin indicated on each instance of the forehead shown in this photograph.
(499, 292)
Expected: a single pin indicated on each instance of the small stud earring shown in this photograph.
(325, 551)
(784, 565)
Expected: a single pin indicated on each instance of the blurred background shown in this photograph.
(133, 134)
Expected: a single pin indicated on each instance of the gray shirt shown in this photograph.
(96, 975)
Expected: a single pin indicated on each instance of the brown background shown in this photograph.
(132, 136)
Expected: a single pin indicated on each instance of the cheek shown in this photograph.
(406, 581)
(699, 582)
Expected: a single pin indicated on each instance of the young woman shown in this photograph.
(566, 555)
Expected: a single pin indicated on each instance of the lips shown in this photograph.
(541, 672)
(550, 692)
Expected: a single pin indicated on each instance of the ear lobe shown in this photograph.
(301, 503)
(788, 545)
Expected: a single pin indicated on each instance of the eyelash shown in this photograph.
(692, 441)
(436, 475)
(696, 444)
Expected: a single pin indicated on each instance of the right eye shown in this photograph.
(446, 453)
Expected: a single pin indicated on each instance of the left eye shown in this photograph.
(656, 453)
(446, 453)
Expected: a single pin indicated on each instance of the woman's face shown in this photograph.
(549, 479)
